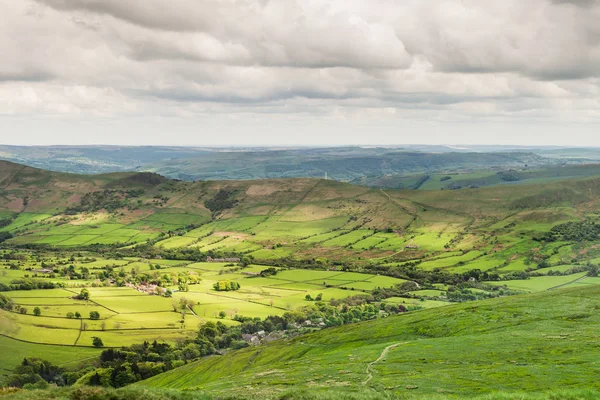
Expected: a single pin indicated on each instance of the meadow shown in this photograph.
(462, 350)
(128, 316)
(116, 234)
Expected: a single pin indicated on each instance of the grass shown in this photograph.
(537, 284)
(349, 238)
(23, 219)
(530, 343)
(141, 393)
(128, 316)
(13, 352)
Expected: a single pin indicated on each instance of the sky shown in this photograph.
(300, 72)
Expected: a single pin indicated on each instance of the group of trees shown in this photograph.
(579, 231)
(84, 294)
(29, 284)
(108, 199)
(224, 199)
(4, 236)
(226, 286)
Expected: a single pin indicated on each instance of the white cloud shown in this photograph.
(381, 62)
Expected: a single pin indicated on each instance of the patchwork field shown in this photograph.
(128, 316)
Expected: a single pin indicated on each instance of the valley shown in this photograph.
(111, 261)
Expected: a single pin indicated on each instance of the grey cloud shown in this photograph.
(441, 59)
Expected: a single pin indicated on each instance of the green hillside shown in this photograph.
(525, 343)
(153, 254)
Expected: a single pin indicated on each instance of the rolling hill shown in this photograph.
(532, 250)
(527, 343)
(340, 163)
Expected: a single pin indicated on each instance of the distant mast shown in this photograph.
(325, 175)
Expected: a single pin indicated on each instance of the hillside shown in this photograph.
(528, 343)
(321, 221)
(162, 257)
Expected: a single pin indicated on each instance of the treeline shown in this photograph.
(28, 284)
(4, 236)
(224, 199)
(108, 199)
(580, 231)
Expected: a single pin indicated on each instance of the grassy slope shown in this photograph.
(531, 343)
(304, 215)
(13, 352)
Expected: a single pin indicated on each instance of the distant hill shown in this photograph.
(339, 163)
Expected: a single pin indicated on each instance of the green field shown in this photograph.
(132, 240)
(491, 337)
(128, 316)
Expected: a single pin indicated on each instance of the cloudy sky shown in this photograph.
(278, 72)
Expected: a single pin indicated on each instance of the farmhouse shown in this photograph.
(147, 288)
(44, 271)
(231, 259)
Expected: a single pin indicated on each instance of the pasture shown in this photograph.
(128, 316)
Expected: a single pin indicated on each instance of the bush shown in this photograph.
(97, 342)
(94, 315)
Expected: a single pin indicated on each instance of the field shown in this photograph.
(128, 316)
(142, 245)
(448, 350)
(13, 352)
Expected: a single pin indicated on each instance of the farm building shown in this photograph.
(231, 259)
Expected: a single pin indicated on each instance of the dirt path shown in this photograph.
(384, 353)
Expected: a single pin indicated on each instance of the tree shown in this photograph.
(70, 315)
(77, 314)
(84, 294)
(22, 310)
(225, 286)
(222, 314)
(308, 297)
(94, 315)
(319, 297)
(37, 311)
(97, 342)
